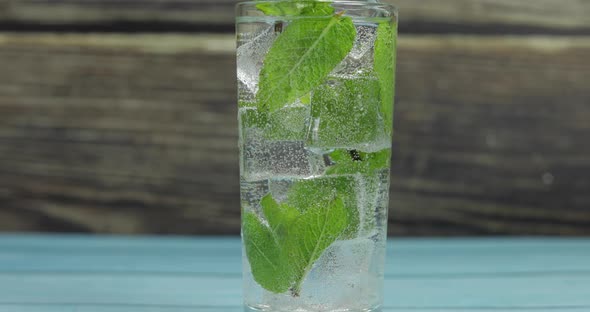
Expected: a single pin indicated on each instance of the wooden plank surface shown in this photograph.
(78, 287)
(458, 16)
(137, 133)
(119, 117)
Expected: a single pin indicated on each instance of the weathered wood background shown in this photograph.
(120, 117)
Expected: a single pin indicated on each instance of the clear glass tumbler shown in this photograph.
(315, 92)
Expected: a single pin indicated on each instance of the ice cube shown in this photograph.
(289, 123)
(264, 159)
(342, 278)
(318, 160)
(244, 93)
(372, 197)
(345, 114)
(250, 57)
(252, 193)
(359, 60)
(272, 145)
(346, 266)
(365, 41)
(279, 188)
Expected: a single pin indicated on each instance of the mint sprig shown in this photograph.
(279, 217)
(265, 254)
(313, 232)
(282, 253)
(301, 58)
(315, 194)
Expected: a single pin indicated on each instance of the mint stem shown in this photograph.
(296, 290)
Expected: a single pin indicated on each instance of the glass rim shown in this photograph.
(359, 3)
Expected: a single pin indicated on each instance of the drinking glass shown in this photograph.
(315, 97)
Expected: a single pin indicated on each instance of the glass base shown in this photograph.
(307, 309)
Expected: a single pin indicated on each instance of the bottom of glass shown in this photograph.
(248, 308)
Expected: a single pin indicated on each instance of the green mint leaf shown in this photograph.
(313, 232)
(345, 112)
(352, 161)
(272, 211)
(264, 252)
(296, 8)
(385, 58)
(306, 99)
(250, 117)
(316, 194)
(301, 58)
(282, 253)
(279, 217)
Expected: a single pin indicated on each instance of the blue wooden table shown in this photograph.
(40, 273)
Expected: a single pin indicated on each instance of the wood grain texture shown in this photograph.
(460, 280)
(132, 133)
(108, 11)
(501, 121)
(496, 16)
(125, 121)
(431, 16)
